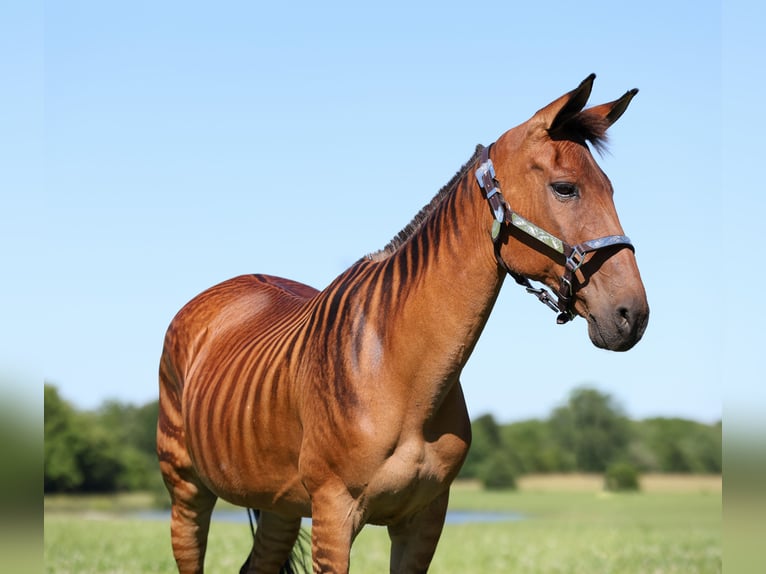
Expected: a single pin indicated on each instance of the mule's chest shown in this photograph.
(412, 477)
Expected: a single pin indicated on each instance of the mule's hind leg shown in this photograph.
(414, 540)
(275, 537)
(192, 502)
(192, 505)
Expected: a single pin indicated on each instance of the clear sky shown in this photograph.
(162, 147)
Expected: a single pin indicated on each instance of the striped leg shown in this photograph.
(192, 502)
(334, 525)
(414, 540)
(274, 540)
(192, 505)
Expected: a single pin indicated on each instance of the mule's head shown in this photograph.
(549, 177)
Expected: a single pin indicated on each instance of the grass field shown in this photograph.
(569, 526)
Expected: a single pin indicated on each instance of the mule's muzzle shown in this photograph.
(620, 328)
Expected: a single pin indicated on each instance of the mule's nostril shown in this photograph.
(623, 319)
(624, 314)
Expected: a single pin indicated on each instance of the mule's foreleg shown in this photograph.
(414, 540)
(335, 522)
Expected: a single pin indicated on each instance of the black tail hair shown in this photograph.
(299, 561)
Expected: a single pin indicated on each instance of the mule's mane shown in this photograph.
(423, 214)
(584, 127)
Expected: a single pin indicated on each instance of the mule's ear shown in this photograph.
(558, 112)
(612, 111)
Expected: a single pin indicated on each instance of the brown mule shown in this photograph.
(345, 404)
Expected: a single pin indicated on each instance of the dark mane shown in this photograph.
(585, 127)
(423, 214)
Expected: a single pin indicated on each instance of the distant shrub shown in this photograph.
(498, 472)
(621, 476)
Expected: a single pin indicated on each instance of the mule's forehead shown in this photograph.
(574, 162)
(530, 145)
(572, 155)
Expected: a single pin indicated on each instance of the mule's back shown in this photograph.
(244, 306)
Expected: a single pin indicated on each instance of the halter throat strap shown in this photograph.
(574, 256)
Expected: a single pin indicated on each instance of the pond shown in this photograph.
(453, 516)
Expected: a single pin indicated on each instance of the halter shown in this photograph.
(574, 255)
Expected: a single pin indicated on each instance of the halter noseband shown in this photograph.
(574, 255)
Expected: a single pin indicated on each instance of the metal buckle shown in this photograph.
(575, 259)
(544, 296)
(485, 174)
(569, 293)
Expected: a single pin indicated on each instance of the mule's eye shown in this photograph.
(565, 190)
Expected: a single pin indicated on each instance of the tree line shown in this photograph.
(106, 450)
(112, 448)
(590, 433)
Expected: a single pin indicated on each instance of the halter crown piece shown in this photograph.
(574, 255)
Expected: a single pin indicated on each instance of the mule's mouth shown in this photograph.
(619, 330)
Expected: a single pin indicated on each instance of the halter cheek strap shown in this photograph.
(574, 256)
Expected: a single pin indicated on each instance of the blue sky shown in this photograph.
(160, 148)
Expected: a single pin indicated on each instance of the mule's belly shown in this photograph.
(285, 498)
(260, 477)
(244, 449)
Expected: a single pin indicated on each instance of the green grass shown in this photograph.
(562, 532)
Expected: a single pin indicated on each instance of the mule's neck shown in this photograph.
(446, 280)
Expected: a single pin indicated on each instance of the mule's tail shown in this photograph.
(299, 561)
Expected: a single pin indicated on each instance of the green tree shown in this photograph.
(62, 444)
(498, 471)
(640, 454)
(592, 427)
(146, 428)
(683, 446)
(106, 450)
(621, 476)
(535, 448)
(485, 441)
(101, 460)
(134, 429)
